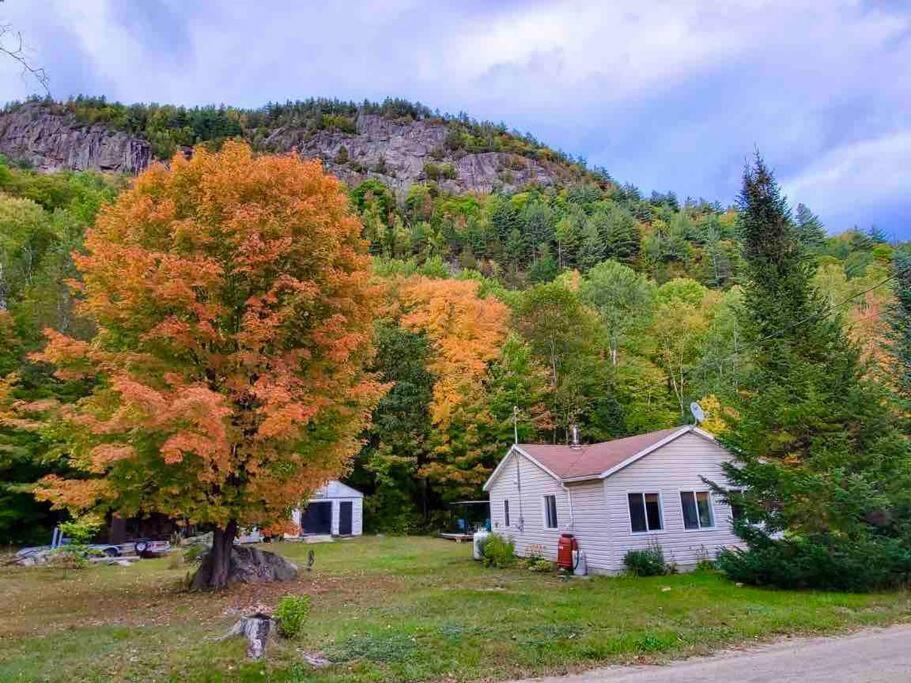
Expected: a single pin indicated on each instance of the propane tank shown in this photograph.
(566, 547)
(580, 568)
(477, 543)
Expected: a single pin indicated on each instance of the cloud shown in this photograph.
(668, 94)
(852, 180)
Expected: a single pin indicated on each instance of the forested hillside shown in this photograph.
(543, 293)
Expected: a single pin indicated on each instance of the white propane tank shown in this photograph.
(579, 567)
(479, 537)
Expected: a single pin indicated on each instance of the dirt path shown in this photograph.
(873, 655)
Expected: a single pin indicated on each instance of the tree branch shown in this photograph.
(18, 53)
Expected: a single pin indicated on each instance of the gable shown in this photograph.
(513, 453)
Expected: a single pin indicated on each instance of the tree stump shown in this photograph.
(256, 628)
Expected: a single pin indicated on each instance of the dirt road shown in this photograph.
(875, 655)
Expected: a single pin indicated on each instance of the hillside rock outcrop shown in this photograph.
(50, 141)
(398, 153)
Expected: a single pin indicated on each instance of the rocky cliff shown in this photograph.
(396, 152)
(50, 141)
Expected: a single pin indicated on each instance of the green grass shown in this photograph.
(394, 609)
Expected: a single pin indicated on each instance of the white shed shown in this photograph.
(334, 509)
(615, 496)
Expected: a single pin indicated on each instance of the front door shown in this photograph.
(317, 518)
(344, 518)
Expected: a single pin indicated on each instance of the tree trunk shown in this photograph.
(215, 569)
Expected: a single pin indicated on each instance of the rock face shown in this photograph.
(51, 141)
(397, 153)
(400, 154)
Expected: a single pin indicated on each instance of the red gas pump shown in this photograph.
(565, 547)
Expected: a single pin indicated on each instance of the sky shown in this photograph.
(669, 95)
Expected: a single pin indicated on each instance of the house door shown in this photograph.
(317, 518)
(345, 509)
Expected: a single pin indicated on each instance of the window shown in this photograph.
(697, 509)
(735, 500)
(550, 512)
(506, 512)
(645, 512)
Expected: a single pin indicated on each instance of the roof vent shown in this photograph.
(575, 437)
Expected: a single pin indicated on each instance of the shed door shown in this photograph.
(318, 518)
(344, 518)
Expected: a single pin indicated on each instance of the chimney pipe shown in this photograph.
(575, 437)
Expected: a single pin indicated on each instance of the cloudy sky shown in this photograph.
(668, 95)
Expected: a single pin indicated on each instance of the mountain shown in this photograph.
(397, 143)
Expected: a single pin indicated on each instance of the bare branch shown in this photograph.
(18, 52)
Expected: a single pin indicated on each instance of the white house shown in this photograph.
(335, 509)
(615, 496)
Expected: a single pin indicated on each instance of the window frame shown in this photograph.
(661, 517)
(712, 514)
(506, 512)
(545, 512)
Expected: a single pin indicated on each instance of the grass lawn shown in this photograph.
(393, 609)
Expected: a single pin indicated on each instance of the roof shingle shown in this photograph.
(593, 459)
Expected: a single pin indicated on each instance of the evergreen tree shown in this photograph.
(821, 468)
(810, 231)
(899, 343)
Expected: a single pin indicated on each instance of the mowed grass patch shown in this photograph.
(394, 609)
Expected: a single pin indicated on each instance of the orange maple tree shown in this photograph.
(467, 332)
(234, 313)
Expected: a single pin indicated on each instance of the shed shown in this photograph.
(334, 509)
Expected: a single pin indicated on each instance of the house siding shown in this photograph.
(675, 467)
(600, 513)
(526, 512)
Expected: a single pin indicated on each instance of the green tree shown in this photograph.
(824, 473)
(623, 299)
(810, 231)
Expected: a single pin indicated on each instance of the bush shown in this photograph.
(647, 562)
(819, 562)
(291, 614)
(497, 551)
(540, 565)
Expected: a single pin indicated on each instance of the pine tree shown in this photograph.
(820, 464)
(810, 231)
(899, 343)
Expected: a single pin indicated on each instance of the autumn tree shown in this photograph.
(234, 313)
(466, 331)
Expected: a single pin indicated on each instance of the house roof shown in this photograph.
(596, 460)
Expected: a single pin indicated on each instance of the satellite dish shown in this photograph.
(698, 413)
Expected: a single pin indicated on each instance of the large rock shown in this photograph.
(252, 565)
(50, 139)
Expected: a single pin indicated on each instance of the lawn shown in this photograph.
(394, 609)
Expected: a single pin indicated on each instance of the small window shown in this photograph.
(550, 512)
(697, 509)
(645, 512)
(506, 512)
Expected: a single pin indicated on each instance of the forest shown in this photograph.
(586, 305)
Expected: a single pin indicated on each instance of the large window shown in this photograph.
(550, 512)
(506, 512)
(645, 512)
(697, 509)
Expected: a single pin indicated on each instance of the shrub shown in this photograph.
(540, 565)
(76, 553)
(291, 614)
(498, 551)
(647, 562)
(819, 562)
(434, 171)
